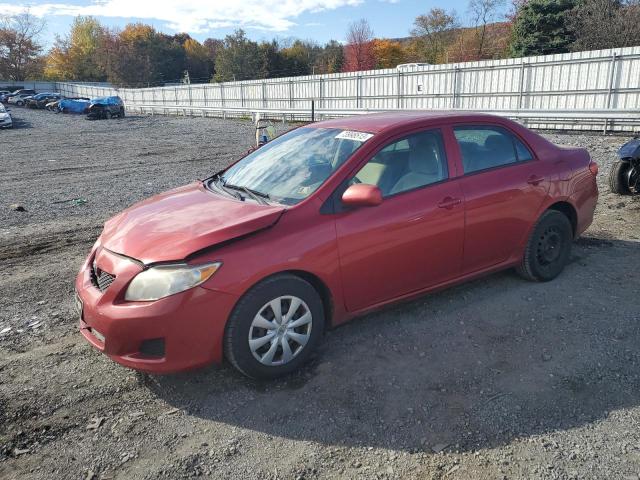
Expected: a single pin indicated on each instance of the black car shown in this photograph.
(106, 108)
(42, 99)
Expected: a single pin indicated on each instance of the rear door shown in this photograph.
(504, 186)
(414, 238)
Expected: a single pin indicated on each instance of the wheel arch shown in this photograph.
(569, 211)
(320, 286)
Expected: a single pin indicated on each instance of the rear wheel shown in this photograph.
(618, 178)
(548, 248)
(274, 328)
(107, 115)
(121, 112)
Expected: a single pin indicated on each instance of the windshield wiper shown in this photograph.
(259, 197)
(220, 184)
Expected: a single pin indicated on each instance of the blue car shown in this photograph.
(74, 105)
(106, 108)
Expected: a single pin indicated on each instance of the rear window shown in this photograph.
(484, 147)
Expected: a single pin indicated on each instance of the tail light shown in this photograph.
(593, 168)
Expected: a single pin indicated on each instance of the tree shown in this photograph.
(483, 12)
(238, 59)
(19, 47)
(198, 62)
(599, 24)
(77, 56)
(388, 54)
(141, 56)
(541, 27)
(331, 58)
(432, 33)
(300, 57)
(359, 49)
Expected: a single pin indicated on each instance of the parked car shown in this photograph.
(5, 118)
(8, 91)
(321, 224)
(105, 108)
(74, 105)
(20, 99)
(42, 99)
(22, 91)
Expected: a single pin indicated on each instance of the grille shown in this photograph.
(101, 279)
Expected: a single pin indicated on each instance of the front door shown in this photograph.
(412, 240)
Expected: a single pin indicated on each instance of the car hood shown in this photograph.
(177, 223)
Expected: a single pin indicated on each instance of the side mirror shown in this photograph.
(362, 195)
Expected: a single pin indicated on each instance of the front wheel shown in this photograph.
(548, 248)
(274, 328)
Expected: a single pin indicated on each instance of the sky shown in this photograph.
(319, 20)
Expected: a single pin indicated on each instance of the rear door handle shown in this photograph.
(535, 180)
(449, 203)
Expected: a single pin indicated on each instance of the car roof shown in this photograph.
(378, 122)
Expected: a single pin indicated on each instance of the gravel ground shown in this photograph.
(497, 378)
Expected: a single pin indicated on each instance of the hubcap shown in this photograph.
(549, 246)
(280, 330)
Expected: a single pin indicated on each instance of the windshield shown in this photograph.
(291, 167)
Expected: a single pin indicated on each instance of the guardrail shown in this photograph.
(604, 118)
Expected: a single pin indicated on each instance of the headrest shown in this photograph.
(424, 156)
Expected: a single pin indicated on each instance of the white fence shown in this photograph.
(584, 90)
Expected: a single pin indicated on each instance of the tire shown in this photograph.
(548, 248)
(618, 177)
(19, 103)
(241, 327)
(122, 112)
(107, 115)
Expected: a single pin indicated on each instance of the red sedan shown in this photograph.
(322, 224)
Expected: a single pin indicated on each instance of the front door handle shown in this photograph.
(535, 180)
(449, 203)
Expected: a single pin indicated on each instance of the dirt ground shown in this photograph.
(497, 378)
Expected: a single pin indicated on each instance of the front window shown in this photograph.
(290, 168)
(412, 162)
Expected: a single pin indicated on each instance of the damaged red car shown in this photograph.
(324, 223)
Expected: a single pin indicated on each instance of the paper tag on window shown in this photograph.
(355, 136)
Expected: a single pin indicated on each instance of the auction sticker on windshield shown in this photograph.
(356, 136)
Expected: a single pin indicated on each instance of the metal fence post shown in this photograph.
(204, 95)
(358, 92)
(290, 93)
(521, 89)
(612, 74)
(190, 97)
(241, 95)
(399, 90)
(455, 88)
(222, 95)
(321, 94)
(264, 94)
